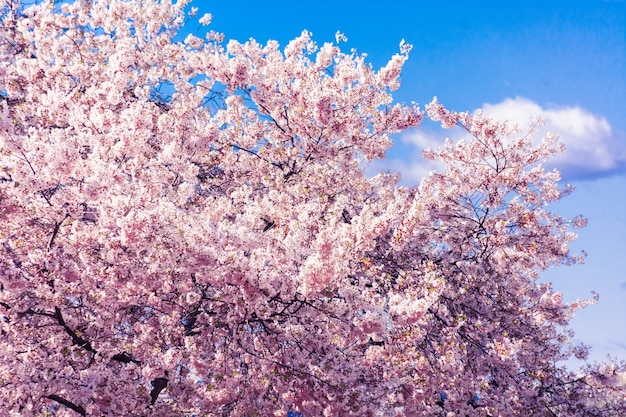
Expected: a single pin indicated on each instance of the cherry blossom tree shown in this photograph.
(186, 229)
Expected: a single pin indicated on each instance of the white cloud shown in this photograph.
(591, 146)
(592, 149)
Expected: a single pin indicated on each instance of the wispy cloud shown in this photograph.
(592, 148)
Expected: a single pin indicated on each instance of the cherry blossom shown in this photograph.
(187, 229)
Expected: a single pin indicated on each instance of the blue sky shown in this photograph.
(563, 60)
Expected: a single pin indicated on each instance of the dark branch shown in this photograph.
(372, 342)
(10, 100)
(268, 224)
(237, 147)
(124, 357)
(80, 410)
(76, 339)
(189, 323)
(55, 232)
(158, 385)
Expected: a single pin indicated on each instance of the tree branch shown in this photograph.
(76, 339)
(55, 232)
(124, 357)
(158, 385)
(80, 410)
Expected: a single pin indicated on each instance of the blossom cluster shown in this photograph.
(186, 228)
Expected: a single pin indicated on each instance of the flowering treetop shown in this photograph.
(186, 229)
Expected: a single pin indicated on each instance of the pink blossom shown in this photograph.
(205, 19)
(171, 247)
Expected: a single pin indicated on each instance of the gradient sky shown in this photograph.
(562, 60)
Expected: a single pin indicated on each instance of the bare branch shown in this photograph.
(80, 410)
